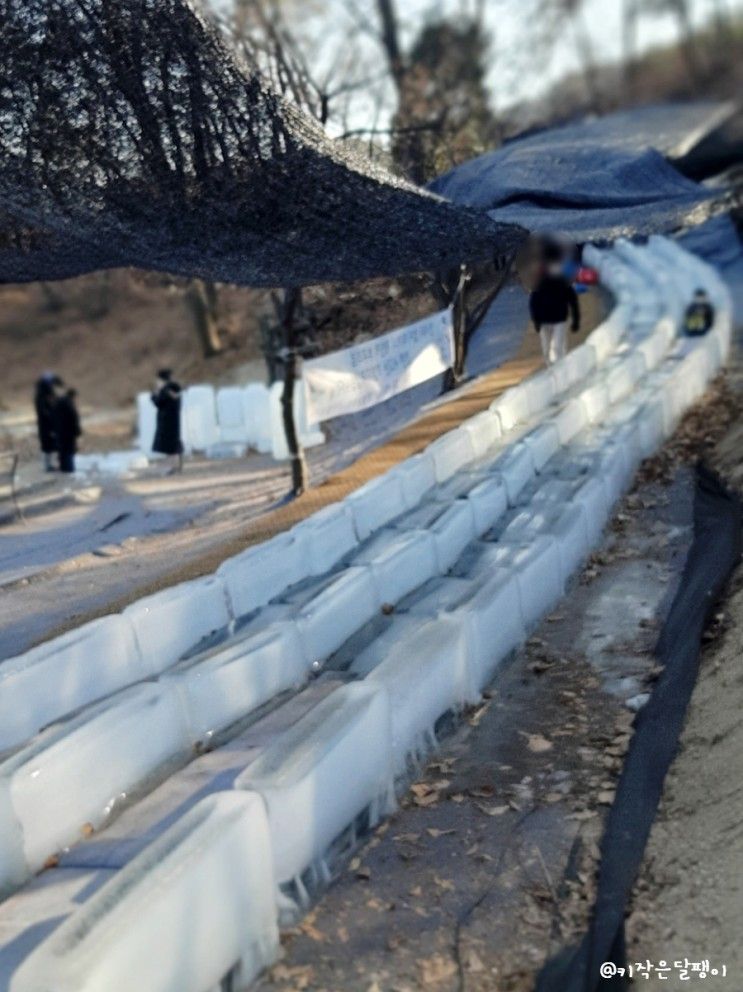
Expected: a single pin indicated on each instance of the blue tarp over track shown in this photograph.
(598, 179)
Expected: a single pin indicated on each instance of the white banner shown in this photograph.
(369, 373)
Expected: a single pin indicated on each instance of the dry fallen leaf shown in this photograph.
(435, 833)
(479, 713)
(436, 969)
(606, 797)
(300, 976)
(492, 810)
(537, 743)
(473, 962)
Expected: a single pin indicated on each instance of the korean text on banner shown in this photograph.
(369, 373)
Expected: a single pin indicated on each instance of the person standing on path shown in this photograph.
(551, 302)
(167, 399)
(67, 427)
(44, 402)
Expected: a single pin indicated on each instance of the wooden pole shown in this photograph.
(292, 300)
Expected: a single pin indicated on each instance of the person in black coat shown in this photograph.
(167, 399)
(44, 402)
(551, 302)
(67, 428)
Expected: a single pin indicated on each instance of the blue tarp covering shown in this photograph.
(594, 180)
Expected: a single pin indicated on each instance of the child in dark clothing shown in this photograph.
(67, 429)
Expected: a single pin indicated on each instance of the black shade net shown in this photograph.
(131, 135)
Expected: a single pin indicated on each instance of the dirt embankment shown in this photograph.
(689, 899)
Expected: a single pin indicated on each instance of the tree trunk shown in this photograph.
(629, 45)
(292, 299)
(391, 40)
(455, 374)
(682, 13)
(203, 301)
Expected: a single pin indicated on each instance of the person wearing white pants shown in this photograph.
(554, 341)
(552, 301)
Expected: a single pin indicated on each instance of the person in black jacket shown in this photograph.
(700, 314)
(44, 401)
(66, 427)
(551, 302)
(167, 399)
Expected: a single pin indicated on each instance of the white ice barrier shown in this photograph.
(538, 570)
(542, 443)
(335, 611)
(64, 674)
(490, 610)
(231, 414)
(516, 467)
(595, 400)
(233, 679)
(579, 363)
(195, 909)
(68, 779)
(451, 524)
(261, 573)
(146, 423)
(486, 495)
(326, 537)
(199, 418)
(591, 495)
(400, 561)
(570, 531)
(570, 420)
(317, 777)
(606, 337)
(425, 673)
(451, 452)
(512, 408)
(621, 378)
(540, 391)
(654, 347)
(416, 477)
(376, 503)
(257, 416)
(115, 463)
(484, 430)
(650, 425)
(169, 623)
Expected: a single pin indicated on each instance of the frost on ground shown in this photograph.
(489, 865)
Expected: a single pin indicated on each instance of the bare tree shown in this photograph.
(681, 11)
(202, 299)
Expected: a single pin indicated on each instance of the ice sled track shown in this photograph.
(179, 779)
